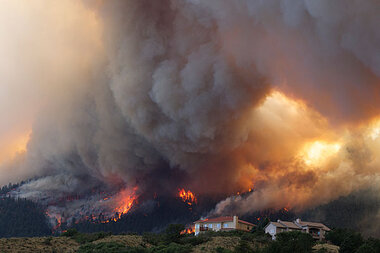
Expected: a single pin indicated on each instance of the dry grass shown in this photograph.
(60, 244)
(330, 248)
(127, 240)
(38, 244)
(67, 245)
(219, 241)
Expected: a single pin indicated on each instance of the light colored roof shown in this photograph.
(290, 225)
(277, 224)
(314, 224)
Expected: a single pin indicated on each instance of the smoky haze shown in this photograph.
(219, 96)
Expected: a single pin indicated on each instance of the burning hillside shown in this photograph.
(97, 208)
(122, 100)
(187, 196)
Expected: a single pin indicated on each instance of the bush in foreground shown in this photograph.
(109, 247)
(291, 242)
(83, 238)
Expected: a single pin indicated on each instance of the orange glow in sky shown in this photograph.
(16, 145)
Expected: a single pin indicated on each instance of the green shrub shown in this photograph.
(222, 250)
(366, 248)
(70, 232)
(247, 237)
(194, 240)
(83, 238)
(153, 238)
(261, 237)
(260, 226)
(110, 247)
(373, 244)
(291, 242)
(103, 247)
(337, 236)
(171, 248)
(351, 243)
(243, 247)
(173, 232)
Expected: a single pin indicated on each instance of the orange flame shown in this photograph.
(189, 230)
(57, 218)
(124, 200)
(187, 196)
(121, 203)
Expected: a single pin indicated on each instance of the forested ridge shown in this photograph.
(21, 217)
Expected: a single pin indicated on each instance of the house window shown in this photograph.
(218, 225)
(197, 226)
(210, 225)
(225, 225)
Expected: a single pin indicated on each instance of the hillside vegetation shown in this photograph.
(171, 240)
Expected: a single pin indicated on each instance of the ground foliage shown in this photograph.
(351, 241)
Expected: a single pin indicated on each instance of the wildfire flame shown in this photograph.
(124, 201)
(56, 219)
(112, 208)
(188, 230)
(187, 196)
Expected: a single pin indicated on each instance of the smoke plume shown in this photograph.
(219, 96)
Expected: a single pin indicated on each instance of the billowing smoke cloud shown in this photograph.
(218, 95)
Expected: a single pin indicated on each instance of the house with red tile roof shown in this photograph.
(225, 223)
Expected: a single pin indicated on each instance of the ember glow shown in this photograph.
(187, 196)
(278, 97)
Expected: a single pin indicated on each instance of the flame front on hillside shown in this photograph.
(121, 203)
(187, 196)
(104, 208)
(124, 200)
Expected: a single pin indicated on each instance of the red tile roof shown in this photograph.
(218, 219)
(223, 219)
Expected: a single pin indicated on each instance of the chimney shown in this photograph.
(235, 220)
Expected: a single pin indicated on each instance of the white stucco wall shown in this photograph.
(271, 229)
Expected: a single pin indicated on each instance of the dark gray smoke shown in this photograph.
(188, 85)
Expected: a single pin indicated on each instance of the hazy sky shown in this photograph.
(42, 45)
